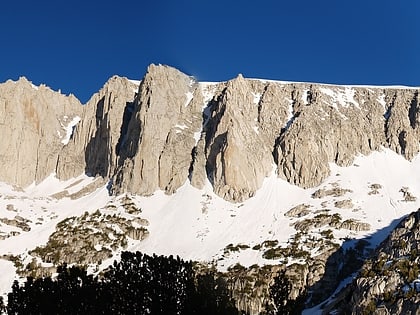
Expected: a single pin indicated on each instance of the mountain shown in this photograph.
(249, 176)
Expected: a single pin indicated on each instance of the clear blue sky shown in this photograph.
(77, 45)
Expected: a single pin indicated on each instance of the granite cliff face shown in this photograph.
(157, 147)
(35, 124)
(97, 139)
(232, 134)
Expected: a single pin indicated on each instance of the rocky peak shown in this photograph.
(97, 139)
(34, 123)
(160, 135)
(238, 158)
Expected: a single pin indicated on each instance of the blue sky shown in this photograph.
(77, 45)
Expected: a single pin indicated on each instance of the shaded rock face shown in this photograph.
(99, 135)
(388, 283)
(238, 155)
(33, 123)
(160, 138)
(174, 129)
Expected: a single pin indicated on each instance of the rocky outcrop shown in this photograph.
(97, 140)
(402, 127)
(47, 132)
(339, 122)
(238, 153)
(93, 237)
(389, 283)
(250, 286)
(160, 137)
(298, 211)
(34, 125)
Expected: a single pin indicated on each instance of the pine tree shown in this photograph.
(279, 294)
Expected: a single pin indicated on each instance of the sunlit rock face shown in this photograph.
(168, 129)
(157, 150)
(232, 133)
(35, 124)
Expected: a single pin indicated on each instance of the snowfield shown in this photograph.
(198, 225)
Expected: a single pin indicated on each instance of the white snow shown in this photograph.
(381, 100)
(197, 136)
(182, 127)
(197, 224)
(35, 203)
(69, 129)
(340, 85)
(137, 83)
(305, 96)
(7, 276)
(189, 96)
(257, 97)
(290, 115)
(342, 97)
(208, 89)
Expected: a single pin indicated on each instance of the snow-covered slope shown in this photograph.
(28, 217)
(197, 224)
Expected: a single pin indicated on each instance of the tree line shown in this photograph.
(137, 284)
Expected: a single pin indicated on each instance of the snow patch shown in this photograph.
(381, 100)
(69, 129)
(197, 136)
(7, 276)
(305, 96)
(137, 83)
(257, 98)
(180, 128)
(189, 96)
(208, 90)
(290, 115)
(342, 97)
